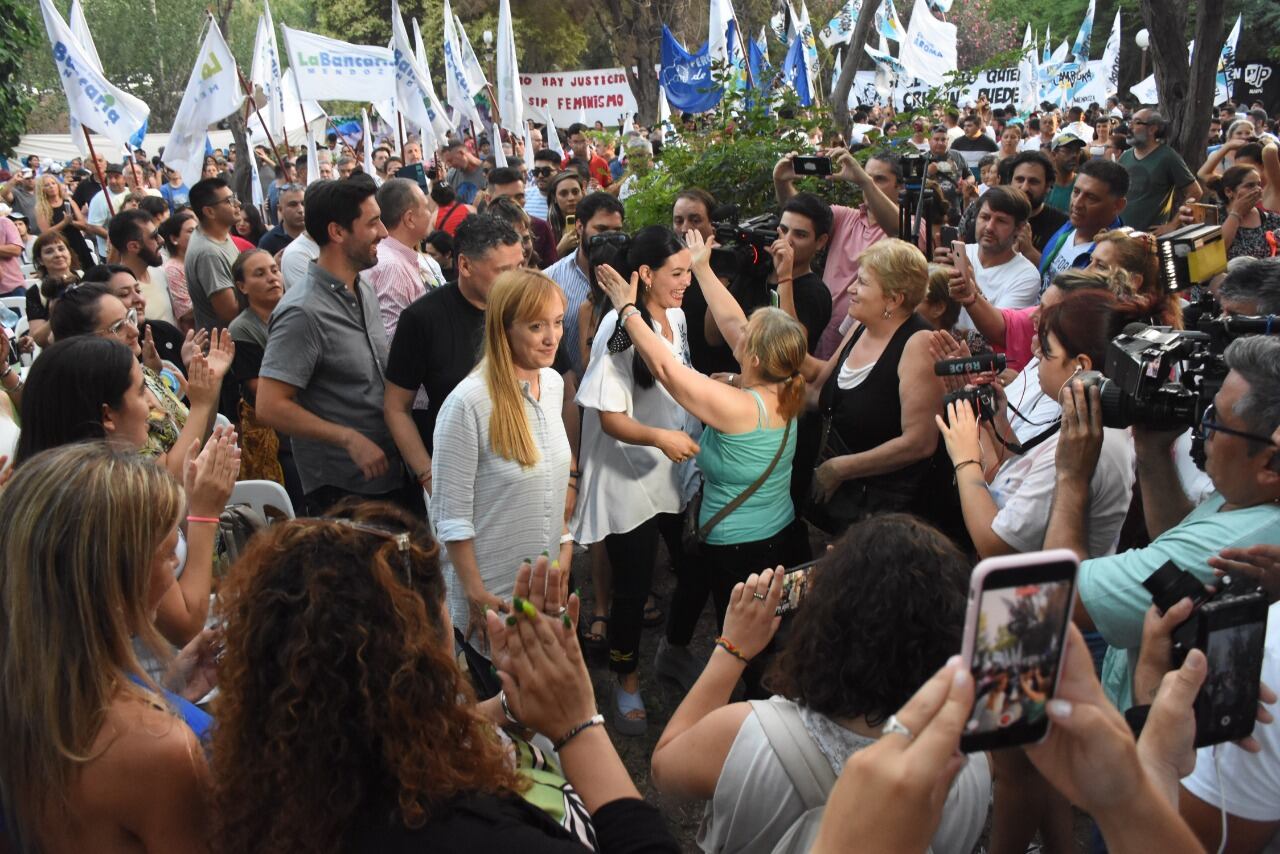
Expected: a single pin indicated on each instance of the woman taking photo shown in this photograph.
(334, 738)
(56, 212)
(176, 233)
(882, 610)
(878, 394)
(97, 755)
(563, 194)
(258, 280)
(1009, 512)
(58, 267)
(500, 471)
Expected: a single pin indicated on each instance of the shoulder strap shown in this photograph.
(724, 511)
(763, 420)
(804, 763)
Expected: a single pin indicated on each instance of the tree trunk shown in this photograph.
(1186, 89)
(840, 96)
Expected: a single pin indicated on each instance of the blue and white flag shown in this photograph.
(1048, 50)
(91, 99)
(839, 30)
(929, 52)
(326, 69)
(415, 98)
(458, 89)
(795, 73)
(265, 73)
(213, 93)
(812, 64)
(943, 6)
(1227, 63)
(686, 77)
(1060, 52)
(366, 140)
(1080, 50)
(887, 22)
(1028, 75)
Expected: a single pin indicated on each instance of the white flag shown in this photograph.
(1028, 75)
(414, 96)
(510, 96)
(1059, 54)
(1227, 62)
(80, 29)
(212, 94)
(470, 64)
(419, 49)
(313, 160)
(528, 148)
(332, 70)
(266, 72)
(91, 99)
(929, 52)
(839, 30)
(367, 142)
(255, 181)
(721, 13)
(457, 83)
(1111, 60)
(294, 112)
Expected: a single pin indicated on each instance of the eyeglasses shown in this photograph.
(130, 319)
(1209, 426)
(232, 200)
(400, 538)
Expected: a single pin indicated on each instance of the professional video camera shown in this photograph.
(1139, 387)
(741, 258)
(916, 203)
(982, 396)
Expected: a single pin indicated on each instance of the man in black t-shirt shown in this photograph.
(973, 144)
(440, 337)
(805, 227)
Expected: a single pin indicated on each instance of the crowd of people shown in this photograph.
(482, 390)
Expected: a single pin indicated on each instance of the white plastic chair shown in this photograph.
(261, 494)
(18, 305)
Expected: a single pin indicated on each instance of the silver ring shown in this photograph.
(893, 725)
(564, 609)
(757, 595)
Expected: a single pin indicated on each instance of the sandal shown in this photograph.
(593, 642)
(625, 705)
(653, 614)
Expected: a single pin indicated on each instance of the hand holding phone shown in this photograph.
(1015, 630)
(960, 258)
(805, 165)
(795, 584)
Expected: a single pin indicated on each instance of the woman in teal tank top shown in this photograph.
(746, 424)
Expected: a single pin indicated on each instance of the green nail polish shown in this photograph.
(517, 603)
(511, 620)
(528, 560)
(528, 609)
(568, 624)
(546, 553)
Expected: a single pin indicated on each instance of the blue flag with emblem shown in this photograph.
(686, 77)
(795, 73)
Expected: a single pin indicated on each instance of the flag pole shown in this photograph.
(102, 179)
(400, 122)
(248, 91)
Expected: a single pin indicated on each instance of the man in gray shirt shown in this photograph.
(321, 380)
(466, 172)
(20, 191)
(210, 254)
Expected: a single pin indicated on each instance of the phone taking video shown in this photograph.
(1233, 634)
(1014, 635)
(795, 584)
(804, 165)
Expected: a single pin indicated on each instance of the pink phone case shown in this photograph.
(987, 575)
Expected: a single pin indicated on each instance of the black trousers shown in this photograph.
(408, 496)
(631, 558)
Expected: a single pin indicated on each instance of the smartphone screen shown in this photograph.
(795, 584)
(804, 165)
(1233, 634)
(1019, 611)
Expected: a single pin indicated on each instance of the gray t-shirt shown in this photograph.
(208, 267)
(467, 184)
(25, 203)
(332, 347)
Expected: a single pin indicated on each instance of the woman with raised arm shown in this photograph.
(746, 519)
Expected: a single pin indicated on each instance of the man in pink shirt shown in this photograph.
(11, 279)
(396, 278)
(852, 229)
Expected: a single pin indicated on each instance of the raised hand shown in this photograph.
(222, 352)
(210, 475)
(960, 430)
(150, 356)
(202, 384)
(194, 344)
(619, 290)
(752, 619)
(700, 248)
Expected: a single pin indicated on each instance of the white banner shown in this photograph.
(329, 70)
(296, 119)
(998, 85)
(601, 94)
(266, 71)
(91, 98)
(510, 99)
(930, 48)
(212, 94)
(414, 96)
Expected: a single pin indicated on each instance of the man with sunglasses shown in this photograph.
(546, 163)
(211, 253)
(1243, 462)
(1159, 181)
(598, 213)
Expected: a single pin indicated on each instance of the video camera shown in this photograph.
(1229, 627)
(741, 252)
(981, 397)
(1139, 387)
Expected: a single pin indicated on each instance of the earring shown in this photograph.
(888, 313)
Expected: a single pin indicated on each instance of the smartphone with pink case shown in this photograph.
(1014, 635)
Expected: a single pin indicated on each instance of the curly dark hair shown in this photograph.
(340, 695)
(885, 609)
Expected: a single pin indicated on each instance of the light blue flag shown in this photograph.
(1080, 50)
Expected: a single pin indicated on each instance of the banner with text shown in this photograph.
(330, 70)
(601, 94)
(998, 85)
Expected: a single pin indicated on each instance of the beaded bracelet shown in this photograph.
(595, 720)
(729, 647)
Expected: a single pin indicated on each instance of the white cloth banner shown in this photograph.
(414, 96)
(510, 98)
(601, 94)
(1105, 80)
(998, 85)
(91, 99)
(457, 90)
(266, 72)
(930, 49)
(1028, 71)
(212, 94)
(326, 69)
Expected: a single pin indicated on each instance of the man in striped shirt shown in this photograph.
(398, 277)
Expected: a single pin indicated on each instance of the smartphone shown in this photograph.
(804, 165)
(569, 220)
(1015, 632)
(1232, 633)
(950, 234)
(795, 584)
(960, 258)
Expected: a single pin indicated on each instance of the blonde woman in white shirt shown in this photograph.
(502, 459)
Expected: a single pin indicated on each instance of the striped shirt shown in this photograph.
(577, 288)
(535, 204)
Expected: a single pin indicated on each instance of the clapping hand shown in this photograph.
(193, 673)
(222, 352)
(150, 356)
(203, 384)
(193, 344)
(210, 473)
(960, 431)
